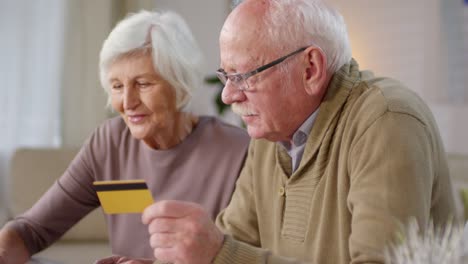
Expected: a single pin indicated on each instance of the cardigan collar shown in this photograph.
(338, 91)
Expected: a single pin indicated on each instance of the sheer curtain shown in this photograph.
(31, 50)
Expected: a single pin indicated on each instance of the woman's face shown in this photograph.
(145, 101)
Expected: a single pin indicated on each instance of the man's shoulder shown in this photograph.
(381, 95)
(262, 147)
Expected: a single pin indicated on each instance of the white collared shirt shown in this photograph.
(296, 146)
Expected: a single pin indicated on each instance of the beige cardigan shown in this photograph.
(373, 159)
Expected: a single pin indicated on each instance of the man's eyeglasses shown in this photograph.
(239, 80)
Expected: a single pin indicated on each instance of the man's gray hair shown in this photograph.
(296, 23)
(167, 38)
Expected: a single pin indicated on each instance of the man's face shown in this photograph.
(268, 107)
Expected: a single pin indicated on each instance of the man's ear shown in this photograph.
(315, 76)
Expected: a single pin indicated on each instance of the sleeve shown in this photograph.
(234, 251)
(391, 176)
(239, 218)
(239, 223)
(67, 201)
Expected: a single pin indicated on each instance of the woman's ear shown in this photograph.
(315, 75)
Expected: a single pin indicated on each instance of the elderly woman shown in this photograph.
(148, 66)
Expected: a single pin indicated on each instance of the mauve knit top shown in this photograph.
(203, 169)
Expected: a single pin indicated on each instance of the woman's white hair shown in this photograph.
(295, 23)
(167, 38)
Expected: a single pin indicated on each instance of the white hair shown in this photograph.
(235, 3)
(296, 23)
(175, 53)
(436, 245)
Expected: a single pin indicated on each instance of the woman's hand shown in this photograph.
(122, 260)
(12, 248)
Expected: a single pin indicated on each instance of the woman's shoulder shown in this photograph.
(217, 129)
(110, 132)
(113, 124)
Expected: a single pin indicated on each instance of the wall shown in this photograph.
(422, 43)
(414, 41)
(83, 99)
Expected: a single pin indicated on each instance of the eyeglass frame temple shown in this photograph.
(264, 67)
(271, 64)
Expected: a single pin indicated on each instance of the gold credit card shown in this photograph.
(120, 197)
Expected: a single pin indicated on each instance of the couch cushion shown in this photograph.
(32, 172)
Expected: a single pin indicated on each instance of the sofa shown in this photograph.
(34, 170)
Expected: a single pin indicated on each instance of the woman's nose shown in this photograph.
(131, 98)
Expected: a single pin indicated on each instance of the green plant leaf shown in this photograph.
(220, 105)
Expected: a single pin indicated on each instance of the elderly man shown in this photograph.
(339, 159)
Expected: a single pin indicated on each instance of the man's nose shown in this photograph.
(231, 94)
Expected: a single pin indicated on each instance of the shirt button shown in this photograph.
(281, 191)
(301, 138)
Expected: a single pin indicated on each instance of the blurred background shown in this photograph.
(50, 95)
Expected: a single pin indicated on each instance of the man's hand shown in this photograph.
(182, 233)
